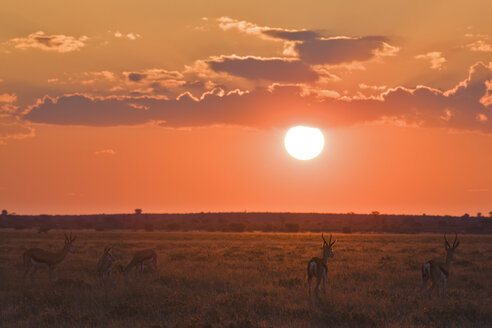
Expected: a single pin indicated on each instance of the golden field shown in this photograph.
(208, 279)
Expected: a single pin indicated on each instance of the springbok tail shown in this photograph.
(27, 259)
(426, 271)
(311, 269)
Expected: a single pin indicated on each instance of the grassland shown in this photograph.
(245, 280)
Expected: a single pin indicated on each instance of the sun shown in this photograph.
(303, 142)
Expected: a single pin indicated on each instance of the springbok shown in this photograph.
(437, 271)
(317, 266)
(39, 258)
(105, 265)
(141, 258)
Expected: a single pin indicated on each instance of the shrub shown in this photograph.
(292, 227)
(149, 227)
(173, 226)
(44, 228)
(99, 228)
(347, 229)
(267, 227)
(237, 227)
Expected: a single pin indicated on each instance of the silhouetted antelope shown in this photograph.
(317, 266)
(141, 258)
(39, 258)
(438, 272)
(105, 265)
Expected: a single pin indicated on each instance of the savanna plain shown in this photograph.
(209, 279)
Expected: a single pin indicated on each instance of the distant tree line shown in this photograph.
(244, 222)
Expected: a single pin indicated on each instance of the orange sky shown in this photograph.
(183, 108)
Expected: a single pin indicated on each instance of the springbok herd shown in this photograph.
(34, 258)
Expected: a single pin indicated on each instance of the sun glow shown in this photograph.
(304, 143)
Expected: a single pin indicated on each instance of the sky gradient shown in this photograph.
(183, 107)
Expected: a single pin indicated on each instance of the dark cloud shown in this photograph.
(459, 108)
(291, 35)
(339, 50)
(136, 77)
(312, 47)
(279, 70)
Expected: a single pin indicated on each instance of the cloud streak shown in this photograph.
(130, 36)
(105, 152)
(435, 58)
(58, 42)
(12, 127)
(7, 101)
(314, 48)
(459, 108)
(339, 50)
(265, 32)
(272, 69)
(480, 46)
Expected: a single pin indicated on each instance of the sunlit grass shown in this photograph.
(245, 280)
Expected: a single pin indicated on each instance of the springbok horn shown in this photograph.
(446, 241)
(455, 239)
(323, 238)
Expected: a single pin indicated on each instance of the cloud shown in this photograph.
(339, 50)
(486, 100)
(94, 77)
(7, 101)
(136, 77)
(84, 110)
(312, 47)
(364, 86)
(105, 152)
(272, 69)
(12, 127)
(480, 45)
(130, 36)
(8, 98)
(153, 75)
(59, 43)
(435, 57)
(280, 106)
(265, 32)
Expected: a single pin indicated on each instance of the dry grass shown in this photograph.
(245, 280)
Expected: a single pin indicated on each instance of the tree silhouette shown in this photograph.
(138, 211)
(4, 212)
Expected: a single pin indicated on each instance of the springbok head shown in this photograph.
(450, 249)
(107, 253)
(327, 251)
(69, 241)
